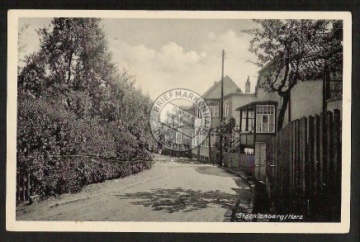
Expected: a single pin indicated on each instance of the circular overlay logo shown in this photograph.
(180, 119)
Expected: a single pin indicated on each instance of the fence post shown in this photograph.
(310, 166)
(322, 164)
(337, 165)
(316, 166)
(283, 164)
(18, 187)
(279, 163)
(303, 151)
(297, 157)
(287, 157)
(293, 160)
(329, 164)
(23, 188)
(290, 158)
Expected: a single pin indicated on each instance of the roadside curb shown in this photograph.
(248, 207)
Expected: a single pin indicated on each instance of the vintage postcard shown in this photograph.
(178, 121)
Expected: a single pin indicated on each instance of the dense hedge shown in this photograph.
(47, 130)
(69, 175)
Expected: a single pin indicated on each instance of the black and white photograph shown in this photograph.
(178, 121)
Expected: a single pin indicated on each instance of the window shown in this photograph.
(251, 116)
(214, 108)
(243, 121)
(197, 112)
(179, 138)
(196, 138)
(265, 119)
(205, 142)
(247, 120)
(226, 108)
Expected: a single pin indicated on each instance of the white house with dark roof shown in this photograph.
(232, 95)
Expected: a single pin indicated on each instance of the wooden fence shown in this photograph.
(242, 162)
(23, 187)
(304, 167)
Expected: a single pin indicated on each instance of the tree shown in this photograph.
(293, 51)
(73, 56)
(21, 44)
(226, 129)
(74, 69)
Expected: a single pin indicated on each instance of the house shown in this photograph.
(334, 91)
(212, 97)
(233, 98)
(258, 118)
(306, 97)
(256, 113)
(257, 123)
(177, 125)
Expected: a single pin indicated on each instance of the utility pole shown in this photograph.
(222, 108)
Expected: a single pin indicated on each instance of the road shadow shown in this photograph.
(184, 200)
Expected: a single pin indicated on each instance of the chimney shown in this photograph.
(247, 86)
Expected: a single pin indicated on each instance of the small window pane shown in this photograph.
(251, 114)
(244, 114)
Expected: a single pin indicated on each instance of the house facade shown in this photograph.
(258, 118)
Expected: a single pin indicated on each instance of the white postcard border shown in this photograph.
(208, 227)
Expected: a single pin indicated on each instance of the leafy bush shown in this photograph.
(49, 129)
(70, 175)
(46, 131)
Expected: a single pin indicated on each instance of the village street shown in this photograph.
(173, 189)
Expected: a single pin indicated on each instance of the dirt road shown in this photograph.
(176, 190)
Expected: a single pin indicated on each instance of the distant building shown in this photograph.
(232, 95)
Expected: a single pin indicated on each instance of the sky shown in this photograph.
(164, 54)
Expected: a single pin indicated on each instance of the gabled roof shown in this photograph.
(227, 81)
